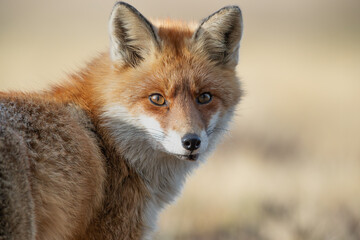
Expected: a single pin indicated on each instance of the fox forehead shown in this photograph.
(174, 34)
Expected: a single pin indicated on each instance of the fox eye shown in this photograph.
(204, 98)
(157, 99)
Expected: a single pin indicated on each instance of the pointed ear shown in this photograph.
(132, 36)
(218, 36)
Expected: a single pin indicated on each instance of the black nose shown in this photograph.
(191, 141)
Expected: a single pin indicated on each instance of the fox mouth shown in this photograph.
(190, 157)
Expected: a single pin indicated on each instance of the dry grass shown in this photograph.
(290, 167)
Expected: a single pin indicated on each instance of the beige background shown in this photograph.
(290, 165)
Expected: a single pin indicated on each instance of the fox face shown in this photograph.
(174, 83)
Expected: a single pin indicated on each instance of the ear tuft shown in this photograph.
(132, 36)
(219, 36)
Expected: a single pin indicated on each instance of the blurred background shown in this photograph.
(289, 168)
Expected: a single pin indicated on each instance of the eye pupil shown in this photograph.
(204, 98)
(157, 99)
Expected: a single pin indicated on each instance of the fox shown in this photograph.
(99, 155)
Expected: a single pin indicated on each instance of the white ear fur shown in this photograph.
(218, 36)
(132, 36)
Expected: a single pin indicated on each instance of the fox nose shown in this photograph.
(191, 141)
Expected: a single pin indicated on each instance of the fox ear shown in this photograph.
(218, 36)
(132, 36)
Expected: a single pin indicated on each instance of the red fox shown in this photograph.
(99, 156)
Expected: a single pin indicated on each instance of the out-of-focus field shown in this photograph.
(289, 168)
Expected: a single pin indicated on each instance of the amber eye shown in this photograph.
(204, 98)
(157, 99)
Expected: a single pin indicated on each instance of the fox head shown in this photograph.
(174, 84)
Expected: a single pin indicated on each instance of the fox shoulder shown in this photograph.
(54, 149)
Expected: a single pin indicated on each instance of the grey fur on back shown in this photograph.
(16, 203)
(51, 169)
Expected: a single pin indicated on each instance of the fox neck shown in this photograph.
(163, 174)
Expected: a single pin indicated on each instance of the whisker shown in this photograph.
(222, 129)
(211, 131)
(156, 130)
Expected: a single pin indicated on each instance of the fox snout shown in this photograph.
(185, 145)
(191, 142)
